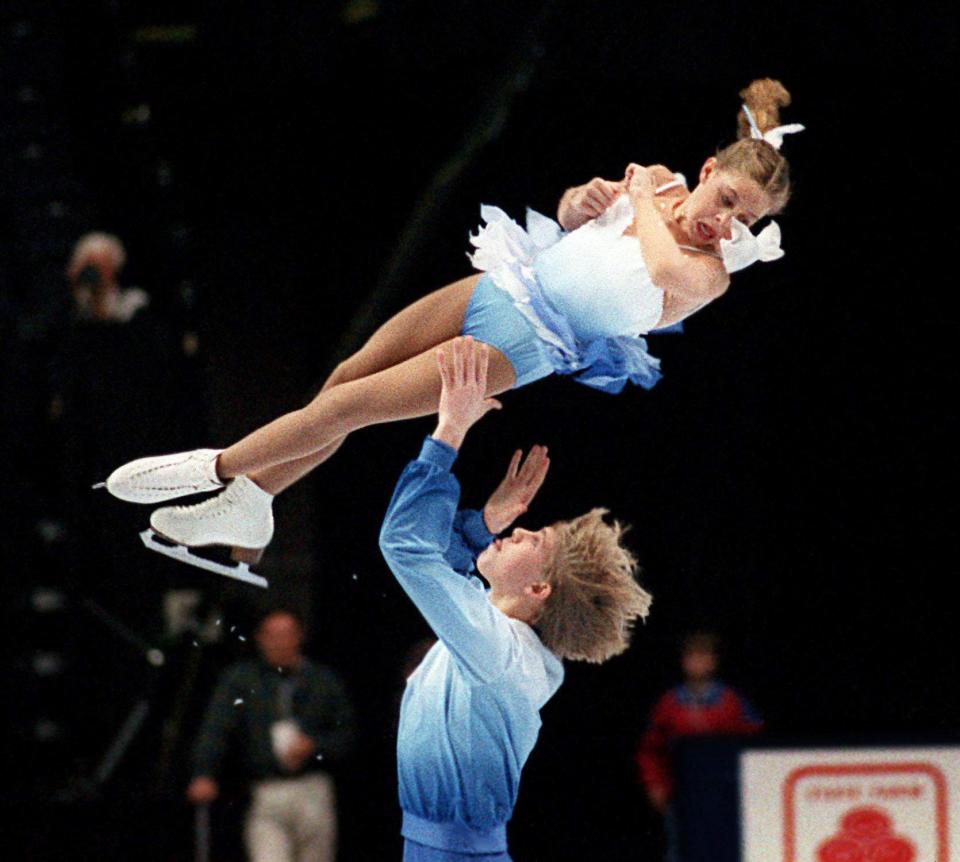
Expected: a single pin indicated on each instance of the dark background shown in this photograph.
(304, 170)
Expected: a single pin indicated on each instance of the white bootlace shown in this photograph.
(215, 507)
(139, 479)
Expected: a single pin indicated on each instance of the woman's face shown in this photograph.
(720, 197)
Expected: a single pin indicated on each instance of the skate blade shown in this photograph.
(181, 554)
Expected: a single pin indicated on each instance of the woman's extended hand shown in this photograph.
(463, 394)
(583, 203)
(639, 182)
(514, 494)
(592, 199)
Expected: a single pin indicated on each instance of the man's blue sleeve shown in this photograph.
(415, 540)
(469, 538)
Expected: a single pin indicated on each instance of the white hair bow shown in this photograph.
(743, 248)
(774, 136)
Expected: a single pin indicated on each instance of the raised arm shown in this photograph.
(688, 282)
(580, 204)
(417, 528)
(583, 203)
(517, 489)
(473, 531)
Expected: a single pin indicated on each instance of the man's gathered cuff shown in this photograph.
(475, 531)
(438, 453)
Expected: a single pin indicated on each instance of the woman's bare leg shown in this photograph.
(264, 454)
(275, 479)
(404, 391)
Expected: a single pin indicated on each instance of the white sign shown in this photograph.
(851, 805)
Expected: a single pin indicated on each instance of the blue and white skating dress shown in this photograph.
(571, 303)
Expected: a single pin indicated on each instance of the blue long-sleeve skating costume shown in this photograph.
(471, 712)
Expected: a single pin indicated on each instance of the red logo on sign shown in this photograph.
(866, 835)
(850, 844)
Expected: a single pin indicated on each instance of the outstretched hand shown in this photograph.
(463, 393)
(639, 182)
(514, 494)
(593, 198)
(584, 203)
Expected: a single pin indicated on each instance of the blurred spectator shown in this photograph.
(96, 260)
(115, 383)
(701, 705)
(117, 372)
(289, 719)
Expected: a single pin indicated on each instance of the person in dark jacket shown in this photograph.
(289, 718)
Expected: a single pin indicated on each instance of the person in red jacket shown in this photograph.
(701, 705)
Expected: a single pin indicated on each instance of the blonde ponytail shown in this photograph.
(764, 97)
(755, 158)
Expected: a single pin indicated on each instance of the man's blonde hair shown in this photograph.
(594, 598)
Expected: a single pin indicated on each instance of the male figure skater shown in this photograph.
(471, 712)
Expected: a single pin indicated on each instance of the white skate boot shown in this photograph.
(241, 517)
(166, 477)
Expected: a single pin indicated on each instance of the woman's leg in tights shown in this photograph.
(430, 321)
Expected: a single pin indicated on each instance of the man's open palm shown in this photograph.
(518, 488)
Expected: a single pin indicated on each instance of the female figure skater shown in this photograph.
(627, 257)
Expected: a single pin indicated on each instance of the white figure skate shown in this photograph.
(166, 477)
(240, 518)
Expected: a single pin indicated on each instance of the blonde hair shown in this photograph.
(594, 598)
(754, 158)
(95, 243)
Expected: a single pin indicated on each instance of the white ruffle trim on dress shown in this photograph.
(507, 252)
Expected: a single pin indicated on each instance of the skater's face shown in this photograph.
(94, 282)
(514, 565)
(720, 197)
(280, 640)
(699, 665)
